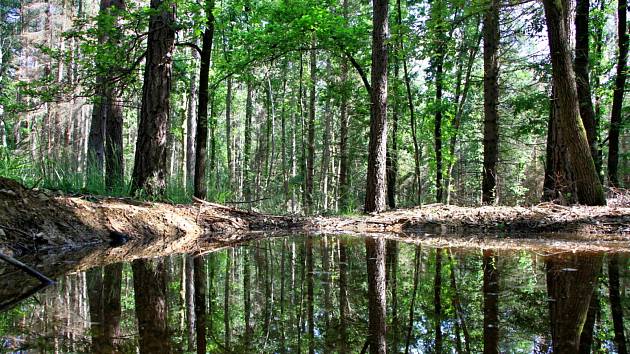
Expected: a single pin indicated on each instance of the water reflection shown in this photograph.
(332, 294)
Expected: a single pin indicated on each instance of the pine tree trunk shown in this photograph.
(150, 157)
(191, 125)
(582, 10)
(491, 38)
(375, 189)
(490, 303)
(310, 160)
(150, 293)
(392, 153)
(375, 256)
(200, 303)
(344, 163)
(439, 73)
(570, 294)
(620, 85)
(201, 141)
(589, 188)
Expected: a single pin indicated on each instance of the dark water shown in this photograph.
(322, 294)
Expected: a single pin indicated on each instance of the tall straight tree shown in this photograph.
(105, 138)
(589, 188)
(491, 38)
(582, 35)
(201, 145)
(310, 159)
(344, 163)
(375, 189)
(149, 170)
(620, 84)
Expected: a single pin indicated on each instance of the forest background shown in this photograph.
(287, 93)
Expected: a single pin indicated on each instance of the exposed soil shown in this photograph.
(35, 220)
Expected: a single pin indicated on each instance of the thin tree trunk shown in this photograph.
(375, 188)
(615, 303)
(392, 153)
(416, 271)
(201, 143)
(491, 38)
(191, 125)
(437, 301)
(310, 294)
(490, 303)
(375, 254)
(249, 108)
(200, 303)
(344, 163)
(310, 160)
(620, 85)
(190, 300)
(582, 9)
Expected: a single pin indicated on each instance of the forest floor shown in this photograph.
(34, 220)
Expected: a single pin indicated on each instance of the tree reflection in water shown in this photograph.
(332, 294)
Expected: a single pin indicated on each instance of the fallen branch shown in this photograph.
(41, 277)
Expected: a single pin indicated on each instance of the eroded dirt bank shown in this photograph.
(32, 220)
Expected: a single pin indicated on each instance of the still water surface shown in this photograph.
(323, 294)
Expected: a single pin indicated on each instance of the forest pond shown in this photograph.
(310, 293)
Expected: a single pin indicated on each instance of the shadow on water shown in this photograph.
(321, 294)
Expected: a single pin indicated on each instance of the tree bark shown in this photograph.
(375, 188)
(615, 303)
(375, 254)
(620, 85)
(310, 159)
(490, 303)
(582, 35)
(437, 301)
(570, 283)
(191, 126)
(589, 188)
(491, 39)
(150, 159)
(437, 133)
(201, 144)
(150, 290)
(200, 303)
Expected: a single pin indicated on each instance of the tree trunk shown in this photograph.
(439, 73)
(392, 153)
(615, 303)
(201, 144)
(310, 294)
(189, 287)
(310, 160)
(375, 254)
(112, 283)
(620, 85)
(582, 9)
(228, 132)
(437, 301)
(491, 39)
(191, 125)
(200, 303)
(150, 158)
(570, 282)
(416, 271)
(375, 188)
(150, 290)
(247, 146)
(589, 188)
(490, 303)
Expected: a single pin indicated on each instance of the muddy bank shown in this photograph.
(40, 219)
(33, 220)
